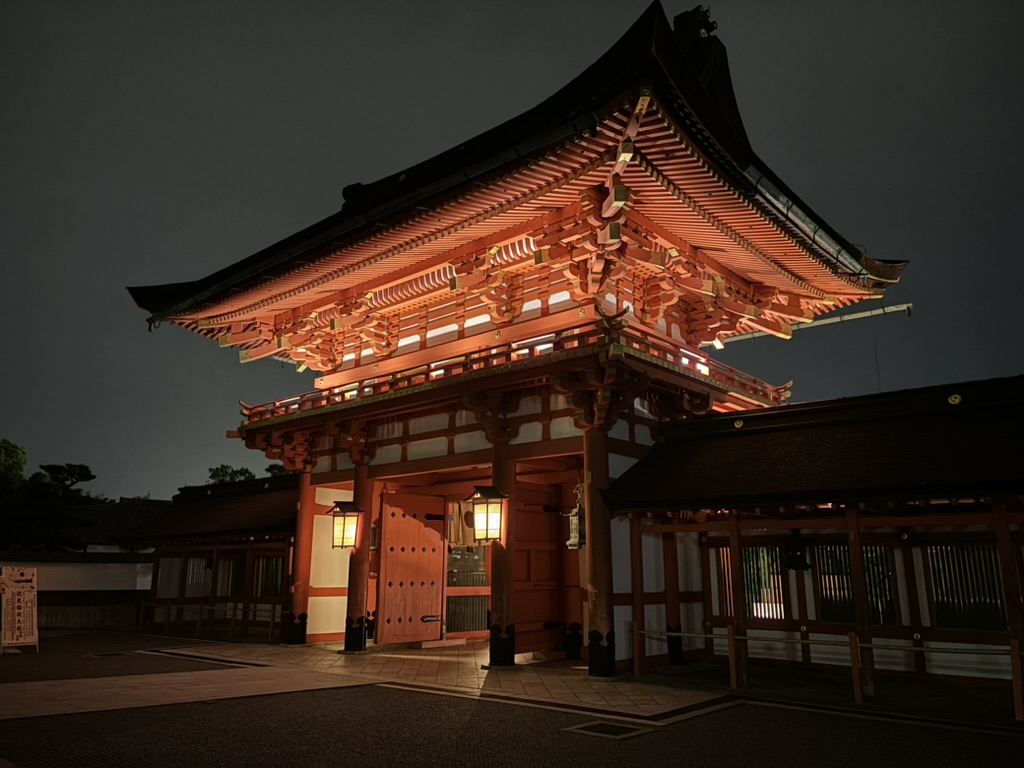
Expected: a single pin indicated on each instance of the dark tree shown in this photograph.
(225, 473)
(68, 475)
(278, 470)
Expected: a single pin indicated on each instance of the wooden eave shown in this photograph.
(942, 442)
(687, 177)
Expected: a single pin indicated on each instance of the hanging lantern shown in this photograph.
(346, 524)
(485, 507)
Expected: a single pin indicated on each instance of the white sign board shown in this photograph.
(18, 607)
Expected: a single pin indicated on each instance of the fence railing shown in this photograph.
(856, 665)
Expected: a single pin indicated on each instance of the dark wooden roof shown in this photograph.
(945, 442)
(265, 506)
(688, 70)
(109, 523)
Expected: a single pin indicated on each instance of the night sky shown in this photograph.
(143, 143)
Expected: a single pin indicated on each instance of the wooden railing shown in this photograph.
(855, 645)
(580, 340)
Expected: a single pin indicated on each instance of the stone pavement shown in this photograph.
(248, 669)
(193, 702)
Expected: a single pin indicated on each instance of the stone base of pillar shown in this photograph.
(675, 644)
(602, 657)
(503, 646)
(355, 634)
(574, 641)
(295, 629)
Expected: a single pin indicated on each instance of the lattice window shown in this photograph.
(965, 587)
(198, 576)
(763, 597)
(834, 587)
(269, 581)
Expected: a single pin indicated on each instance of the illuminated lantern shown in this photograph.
(486, 505)
(346, 524)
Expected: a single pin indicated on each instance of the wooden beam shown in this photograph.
(859, 586)
(738, 646)
(636, 561)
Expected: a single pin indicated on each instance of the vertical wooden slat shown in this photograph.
(913, 605)
(856, 672)
(673, 612)
(738, 646)
(1010, 568)
(636, 557)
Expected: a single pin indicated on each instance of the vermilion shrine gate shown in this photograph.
(523, 311)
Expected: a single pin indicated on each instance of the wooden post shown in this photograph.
(502, 625)
(859, 584)
(1010, 570)
(855, 669)
(734, 669)
(359, 561)
(913, 604)
(737, 654)
(636, 558)
(673, 620)
(299, 613)
(598, 551)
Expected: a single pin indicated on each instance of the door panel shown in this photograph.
(412, 564)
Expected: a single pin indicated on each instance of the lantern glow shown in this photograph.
(346, 524)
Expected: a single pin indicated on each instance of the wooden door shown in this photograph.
(412, 569)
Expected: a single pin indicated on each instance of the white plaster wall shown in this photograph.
(654, 619)
(622, 625)
(691, 574)
(768, 647)
(692, 615)
(435, 422)
(326, 497)
(643, 435)
(427, 449)
(720, 641)
(654, 561)
(619, 430)
(559, 402)
(326, 614)
(470, 441)
(53, 577)
(563, 427)
(328, 566)
(529, 406)
(532, 432)
(969, 664)
(617, 465)
(830, 654)
(464, 418)
(323, 464)
(386, 454)
(898, 660)
(621, 576)
(387, 430)
(169, 577)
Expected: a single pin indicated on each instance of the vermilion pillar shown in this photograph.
(359, 563)
(302, 556)
(601, 635)
(502, 625)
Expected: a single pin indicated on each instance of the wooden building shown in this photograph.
(889, 525)
(522, 313)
